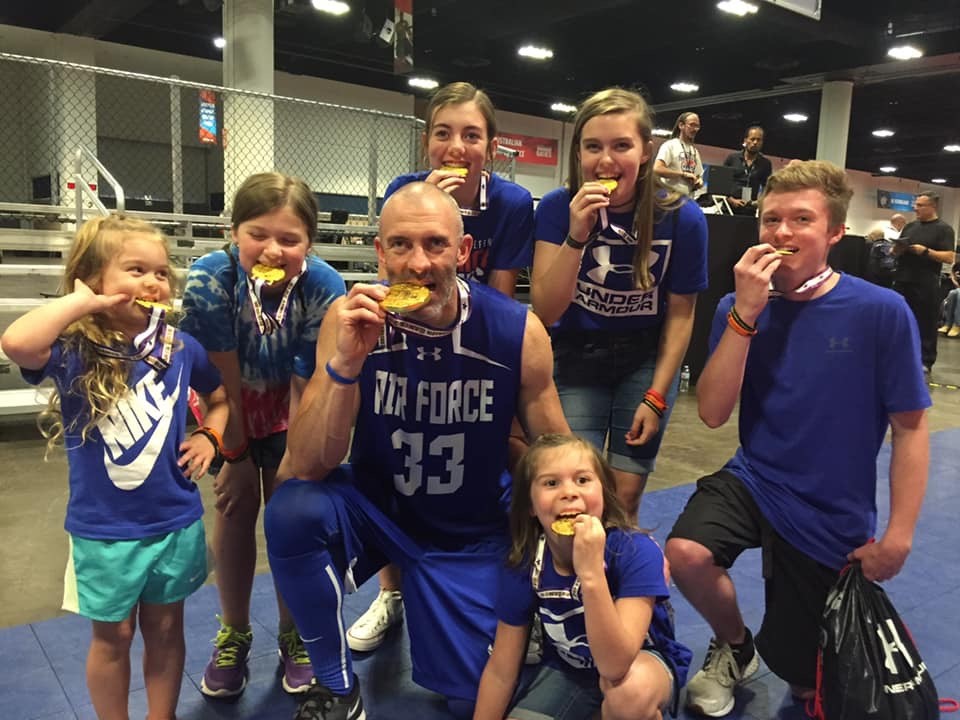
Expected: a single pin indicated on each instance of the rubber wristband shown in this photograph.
(338, 378)
(212, 435)
(574, 243)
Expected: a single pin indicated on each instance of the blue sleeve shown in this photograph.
(515, 602)
(56, 360)
(635, 563)
(688, 263)
(209, 301)
(552, 219)
(514, 248)
(204, 376)
(719, 321)
(322, 285)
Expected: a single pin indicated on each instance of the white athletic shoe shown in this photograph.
(370, 629)
(710, 691)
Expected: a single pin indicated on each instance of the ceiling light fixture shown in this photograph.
(661, 132)
(423, 83)
(952, 148)
(535, 53)
(219, 42)
(563, 107)
(795, 117)
(883, 133)
(904, 52)
(334, 7)
(685, 87)
(938, 181)
(737, 7)
(888, 168)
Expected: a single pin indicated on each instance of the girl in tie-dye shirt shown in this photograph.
(261, 333)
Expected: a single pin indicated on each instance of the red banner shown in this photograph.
(532, 150)
(208, 117)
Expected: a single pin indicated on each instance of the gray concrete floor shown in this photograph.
(33, 493)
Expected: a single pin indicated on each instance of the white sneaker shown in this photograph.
(710, 691)
(368, 632)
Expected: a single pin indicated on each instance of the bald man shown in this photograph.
(892, 231)
(430, 396)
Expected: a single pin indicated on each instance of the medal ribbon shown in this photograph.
(145, 342)
(811, 284)
(267, 323)
(470, 212)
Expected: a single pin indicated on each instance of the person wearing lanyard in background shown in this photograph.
(616, 272)
(678, 162)
(751, 170)
(459, 140)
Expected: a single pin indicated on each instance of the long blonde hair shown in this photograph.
(650, 205)
(104, 379)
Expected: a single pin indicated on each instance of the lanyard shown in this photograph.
(463, 312)
(267, 323)
(470, 212)
(145, 342)
(811, 284)
(572, 594)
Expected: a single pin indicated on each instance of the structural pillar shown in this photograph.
(835, 101)
(248, 126)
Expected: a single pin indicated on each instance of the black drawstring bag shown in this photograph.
(868, 667)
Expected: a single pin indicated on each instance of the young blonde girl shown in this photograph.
(134, 516)
(600, 594)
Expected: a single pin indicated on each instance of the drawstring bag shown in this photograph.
(868, 667)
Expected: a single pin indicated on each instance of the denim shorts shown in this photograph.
(106, 579)
(601, 378)
(557, 695)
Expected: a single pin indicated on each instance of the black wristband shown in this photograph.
(574, 243)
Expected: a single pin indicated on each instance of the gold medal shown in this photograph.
(461, 171)
(609, 183)
(405, 298)
(563, 525)
(150, 304)
(269, 275)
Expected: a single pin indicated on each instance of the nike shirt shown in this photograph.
(125, 483)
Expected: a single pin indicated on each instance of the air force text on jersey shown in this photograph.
(441, 403)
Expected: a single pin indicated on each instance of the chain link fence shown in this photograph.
(183, 147)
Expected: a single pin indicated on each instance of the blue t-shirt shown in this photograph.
(821, 380)
(634, 568)
(502, 234)
(430, 443)
(218, 313)
(606, 296)
(125, 483)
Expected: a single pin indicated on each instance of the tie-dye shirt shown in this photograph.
(218, 313)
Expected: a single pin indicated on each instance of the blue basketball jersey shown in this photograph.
(430, 444)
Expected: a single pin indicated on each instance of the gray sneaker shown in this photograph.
(710, 691)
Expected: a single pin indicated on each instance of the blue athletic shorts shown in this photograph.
(105, 579)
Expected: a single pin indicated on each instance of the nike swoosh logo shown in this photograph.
(132, 474)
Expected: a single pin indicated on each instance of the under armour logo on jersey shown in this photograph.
(840, 345)
(423, 353)
(601, 256)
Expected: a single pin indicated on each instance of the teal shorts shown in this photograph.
(106, 579)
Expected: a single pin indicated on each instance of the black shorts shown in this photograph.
(265, 452)
(723, 517)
